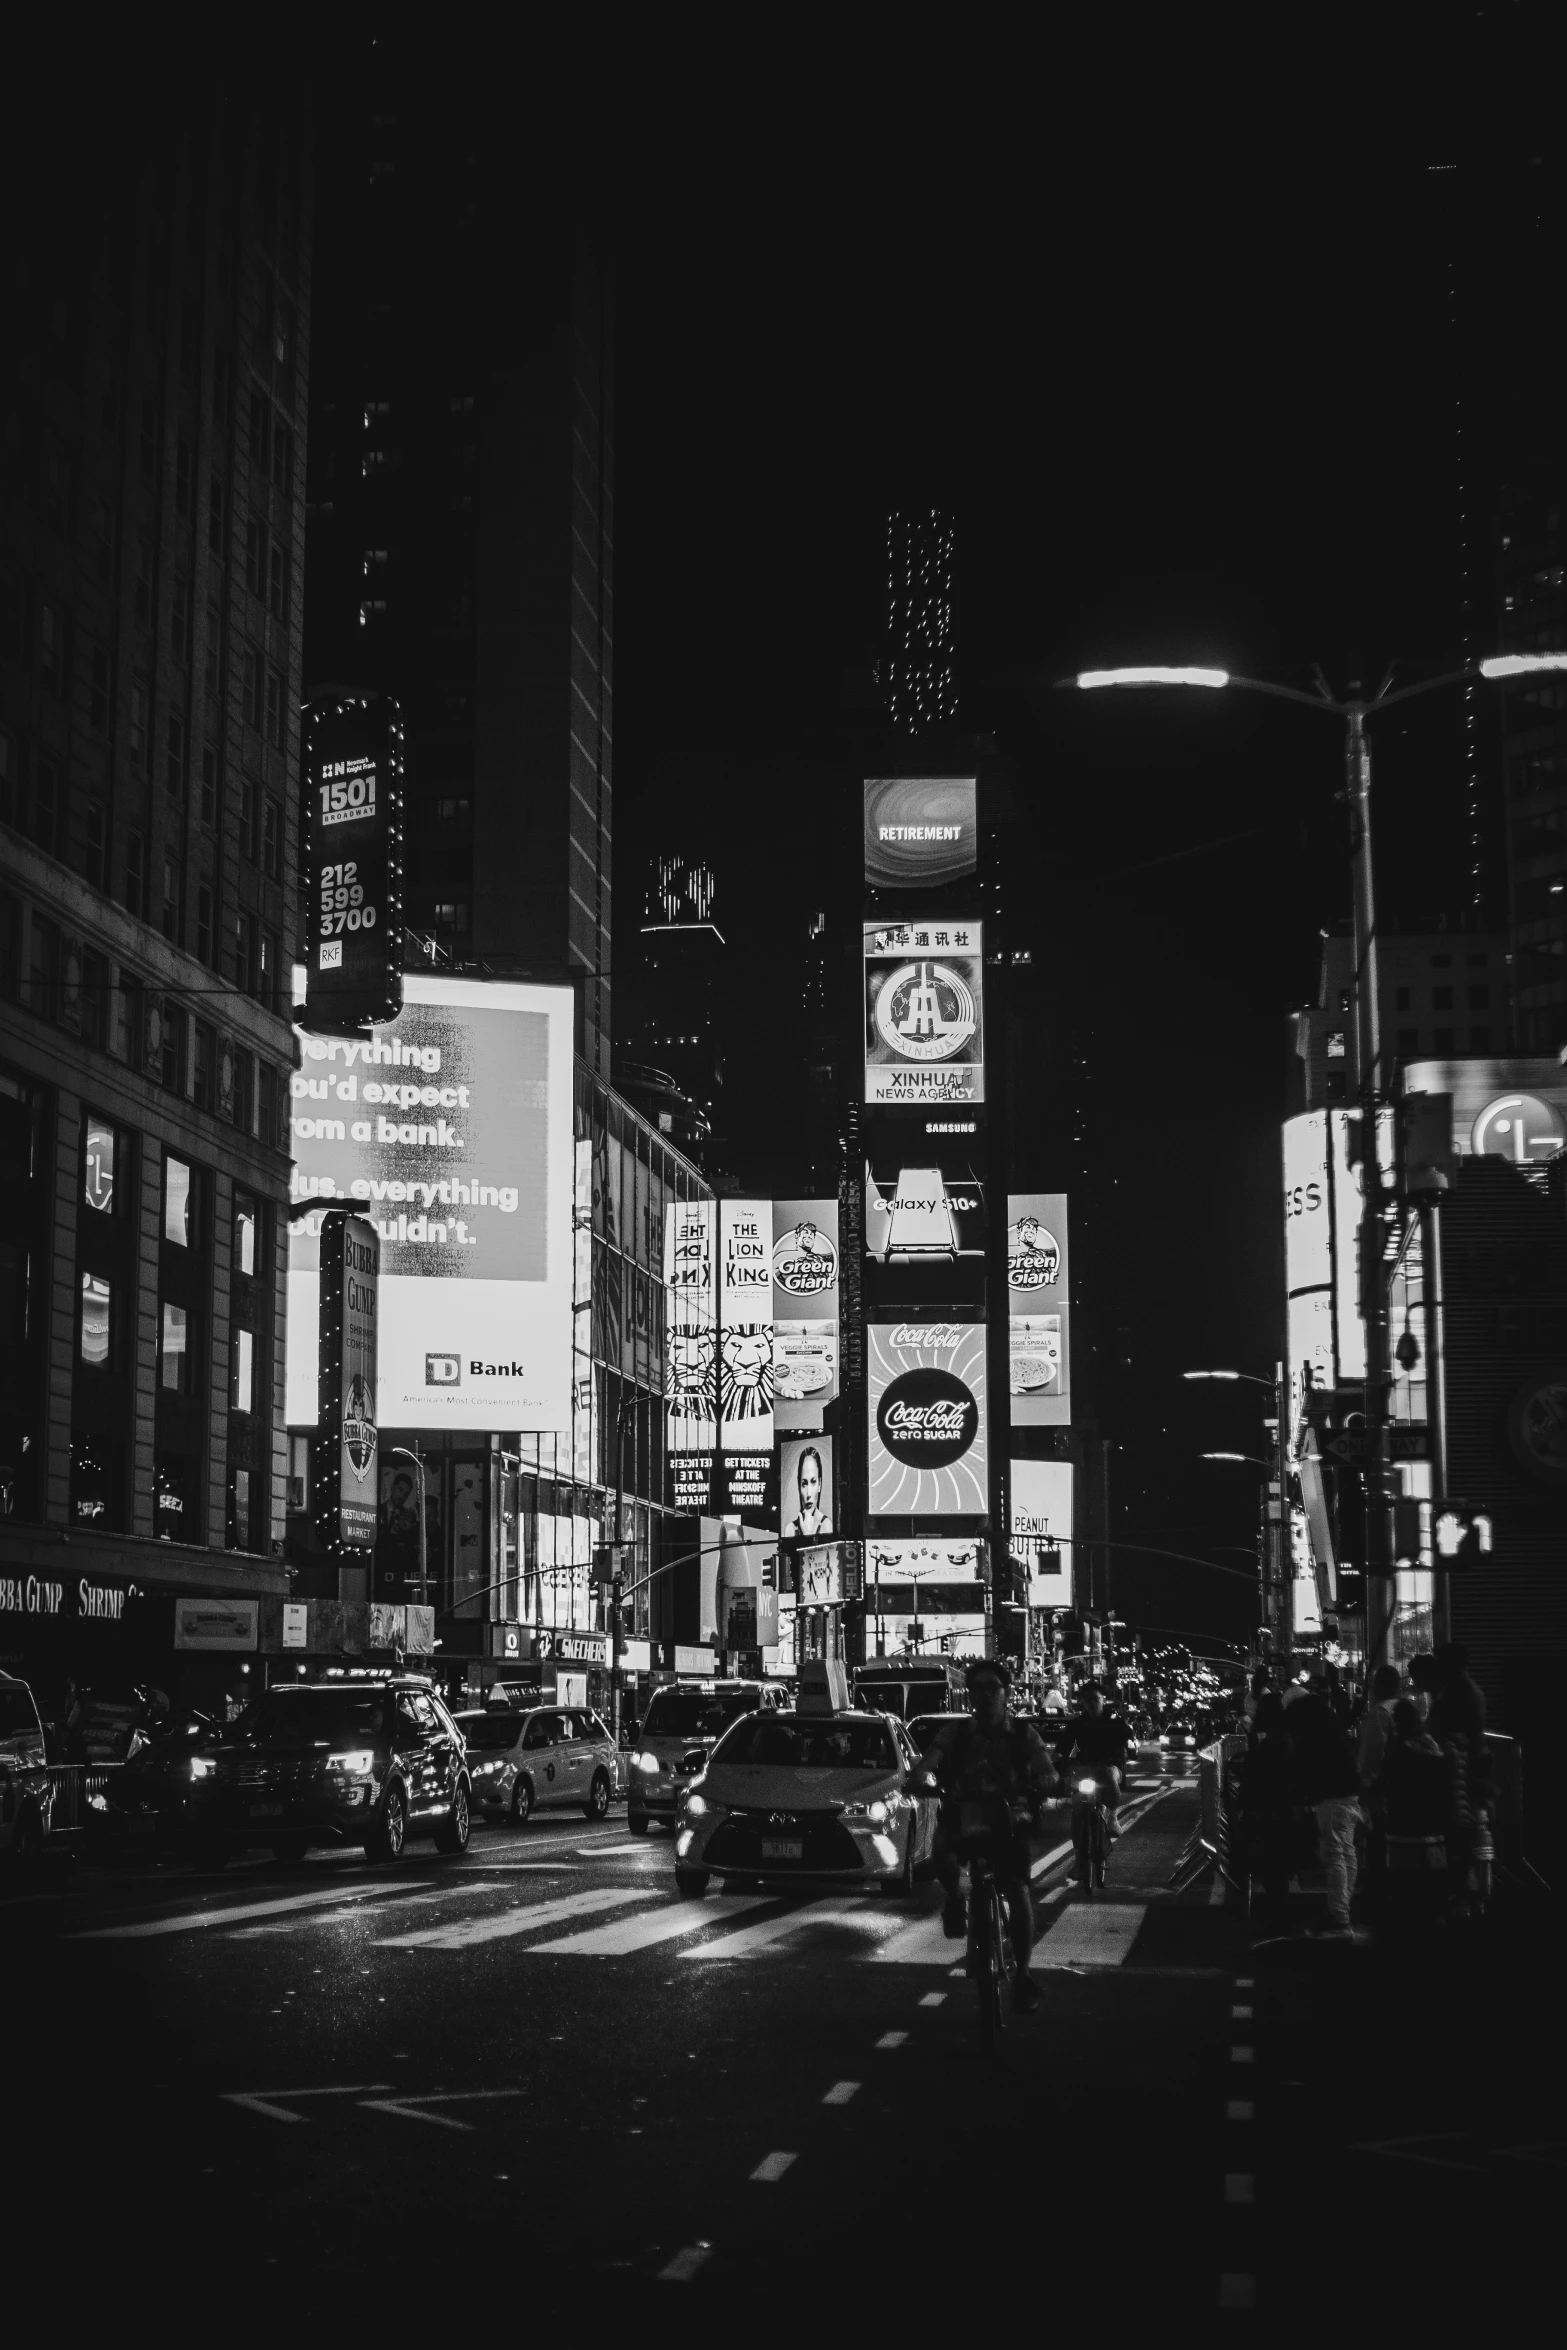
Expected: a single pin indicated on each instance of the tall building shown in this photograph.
(151, 553)
(462, 522)
(1532, 596)
(683, 955)
(1443, 997)
(919, 654)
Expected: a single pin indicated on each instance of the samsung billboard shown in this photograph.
(450, 1130)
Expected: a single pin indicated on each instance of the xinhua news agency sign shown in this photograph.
(347, 1453)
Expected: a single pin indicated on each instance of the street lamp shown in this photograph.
(1238, 1456)
(1354, 711)
(1251, 1376)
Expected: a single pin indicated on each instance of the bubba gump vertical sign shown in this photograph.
(347, 1448)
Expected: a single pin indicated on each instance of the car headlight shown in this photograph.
(698, 1808)
(357, 1765)
(1188, 1740)
(1087, 1786)
(202, 1766)
(644, 1762)
(877, 1812)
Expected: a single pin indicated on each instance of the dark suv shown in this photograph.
(340, 1762)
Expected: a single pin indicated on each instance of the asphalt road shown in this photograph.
(536, 2080)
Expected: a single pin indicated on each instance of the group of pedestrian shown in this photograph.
(1387, 1797)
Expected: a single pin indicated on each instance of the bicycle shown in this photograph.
(992, 1962)
(1091, 1834)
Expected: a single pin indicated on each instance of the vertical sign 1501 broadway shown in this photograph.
(354, 960)
(927, 1433)
(924, 1026)
(1039, 1311)
(346, 1457)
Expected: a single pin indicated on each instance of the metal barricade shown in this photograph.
(1212, 1843)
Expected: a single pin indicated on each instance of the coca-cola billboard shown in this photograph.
(926, 1396)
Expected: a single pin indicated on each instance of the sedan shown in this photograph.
(788, 1797)
(549, 1755)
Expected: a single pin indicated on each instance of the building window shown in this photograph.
(93, 1481)
(239, 1535)
(451, 914)
(244, 1087)
(95, 998)
(1408, 1043)
(100, 1166)
(209, 784)
(204, 923)
(283, 458)
(95, 859)
(220, 385)
(278, 581)
(182, 476)
(274, 726)
(1441, 999)
(268, 1122)
(136, 874)
(180, 622)
(1401, 1000)
(149, 436)
(171, 901)
(96, 1345)
(243, 1375)
(51, 646)
(204, 1048)
(173, 1483)
(143, 583)
(137, 734)
(260, 430)
(247, 818)
(1479, 1040)
(1441, 1042)
(179, 1224)
(244, 1235)
(251, 688)
(217, 508)
(255, 565)
(100, 690)
(271, 972)
(246, 952)
(173, 1352)
(210, 676)
(43, 978)
(1479, 999)
(272, 837)
(174, 767)
(46, 805)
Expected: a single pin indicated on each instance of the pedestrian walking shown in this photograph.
(1325, 1780)
(1414, 1800)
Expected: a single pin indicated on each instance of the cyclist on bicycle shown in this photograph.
(985, 1756)
(1096, 1744)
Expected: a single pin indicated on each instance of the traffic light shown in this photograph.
(1462, 1536)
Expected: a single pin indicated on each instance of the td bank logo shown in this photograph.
(444, 1370)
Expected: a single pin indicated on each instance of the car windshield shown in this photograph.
(696, 1713)
(799, 1743)
(925, 1729)
(500, 1728)
(17, 1718)
(314, 1717)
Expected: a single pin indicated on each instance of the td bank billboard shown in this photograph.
(450, 1129)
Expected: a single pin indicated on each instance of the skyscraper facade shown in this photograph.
(462, 524)
(919, 653)
(151, 553)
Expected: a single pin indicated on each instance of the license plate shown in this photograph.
(782, 1848)
(266, 1811)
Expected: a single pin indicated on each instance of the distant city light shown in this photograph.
(1089, 678)
(1522, 664)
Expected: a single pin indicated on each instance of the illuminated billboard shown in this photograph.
(805, 1310)
(1039, 1312)
(1512, 1108)
(745, 1325)
(450, 1130)
(805, 1487)
(1041, 1536)
(1322, 1208)
(718, 1278)
(354, 952)
(927, 1421)
(924, 1013)
(924, 1200)
(920, 831)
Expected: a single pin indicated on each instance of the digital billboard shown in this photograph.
(350, 1258)
(745, 1325)
(920, 831)
(354, 954)
(1041, 1522)
(924, 1013)
(1039, 1330)
(899, 1561)
(805, 1310)
(927, 1422)
(450, 1130)
(923, 1197)
(691, 1337)
(805, 1487)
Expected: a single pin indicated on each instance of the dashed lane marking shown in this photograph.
(841, 2092)
(933, 1999)
(275, 2110)
(522, 1919)
(749, 1939)
(628, 1935)
(771, 2168)
(685, 2265)
(892, 2039)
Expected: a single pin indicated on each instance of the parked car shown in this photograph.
(24, 1775)
(341, 1762)
(554, 1754)
(791, 1796)
(679, 1731)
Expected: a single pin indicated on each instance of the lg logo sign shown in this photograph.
(442, 1370)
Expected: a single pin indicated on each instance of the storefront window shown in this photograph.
(171, 1497)
(244, 1373)
(175, 1353)
(97, 1330)
(239, 1509)
(99, 1167)
(178, 1222)
(91, 1481)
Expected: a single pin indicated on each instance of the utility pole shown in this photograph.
(1373, 1286)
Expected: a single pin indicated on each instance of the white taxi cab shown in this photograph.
(788, 1797)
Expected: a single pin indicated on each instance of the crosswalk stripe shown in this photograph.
(1091, 1934)
(749, 1939)
(921, 1942)
(522, 1919)
(625, 1935)
(194, 1920)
